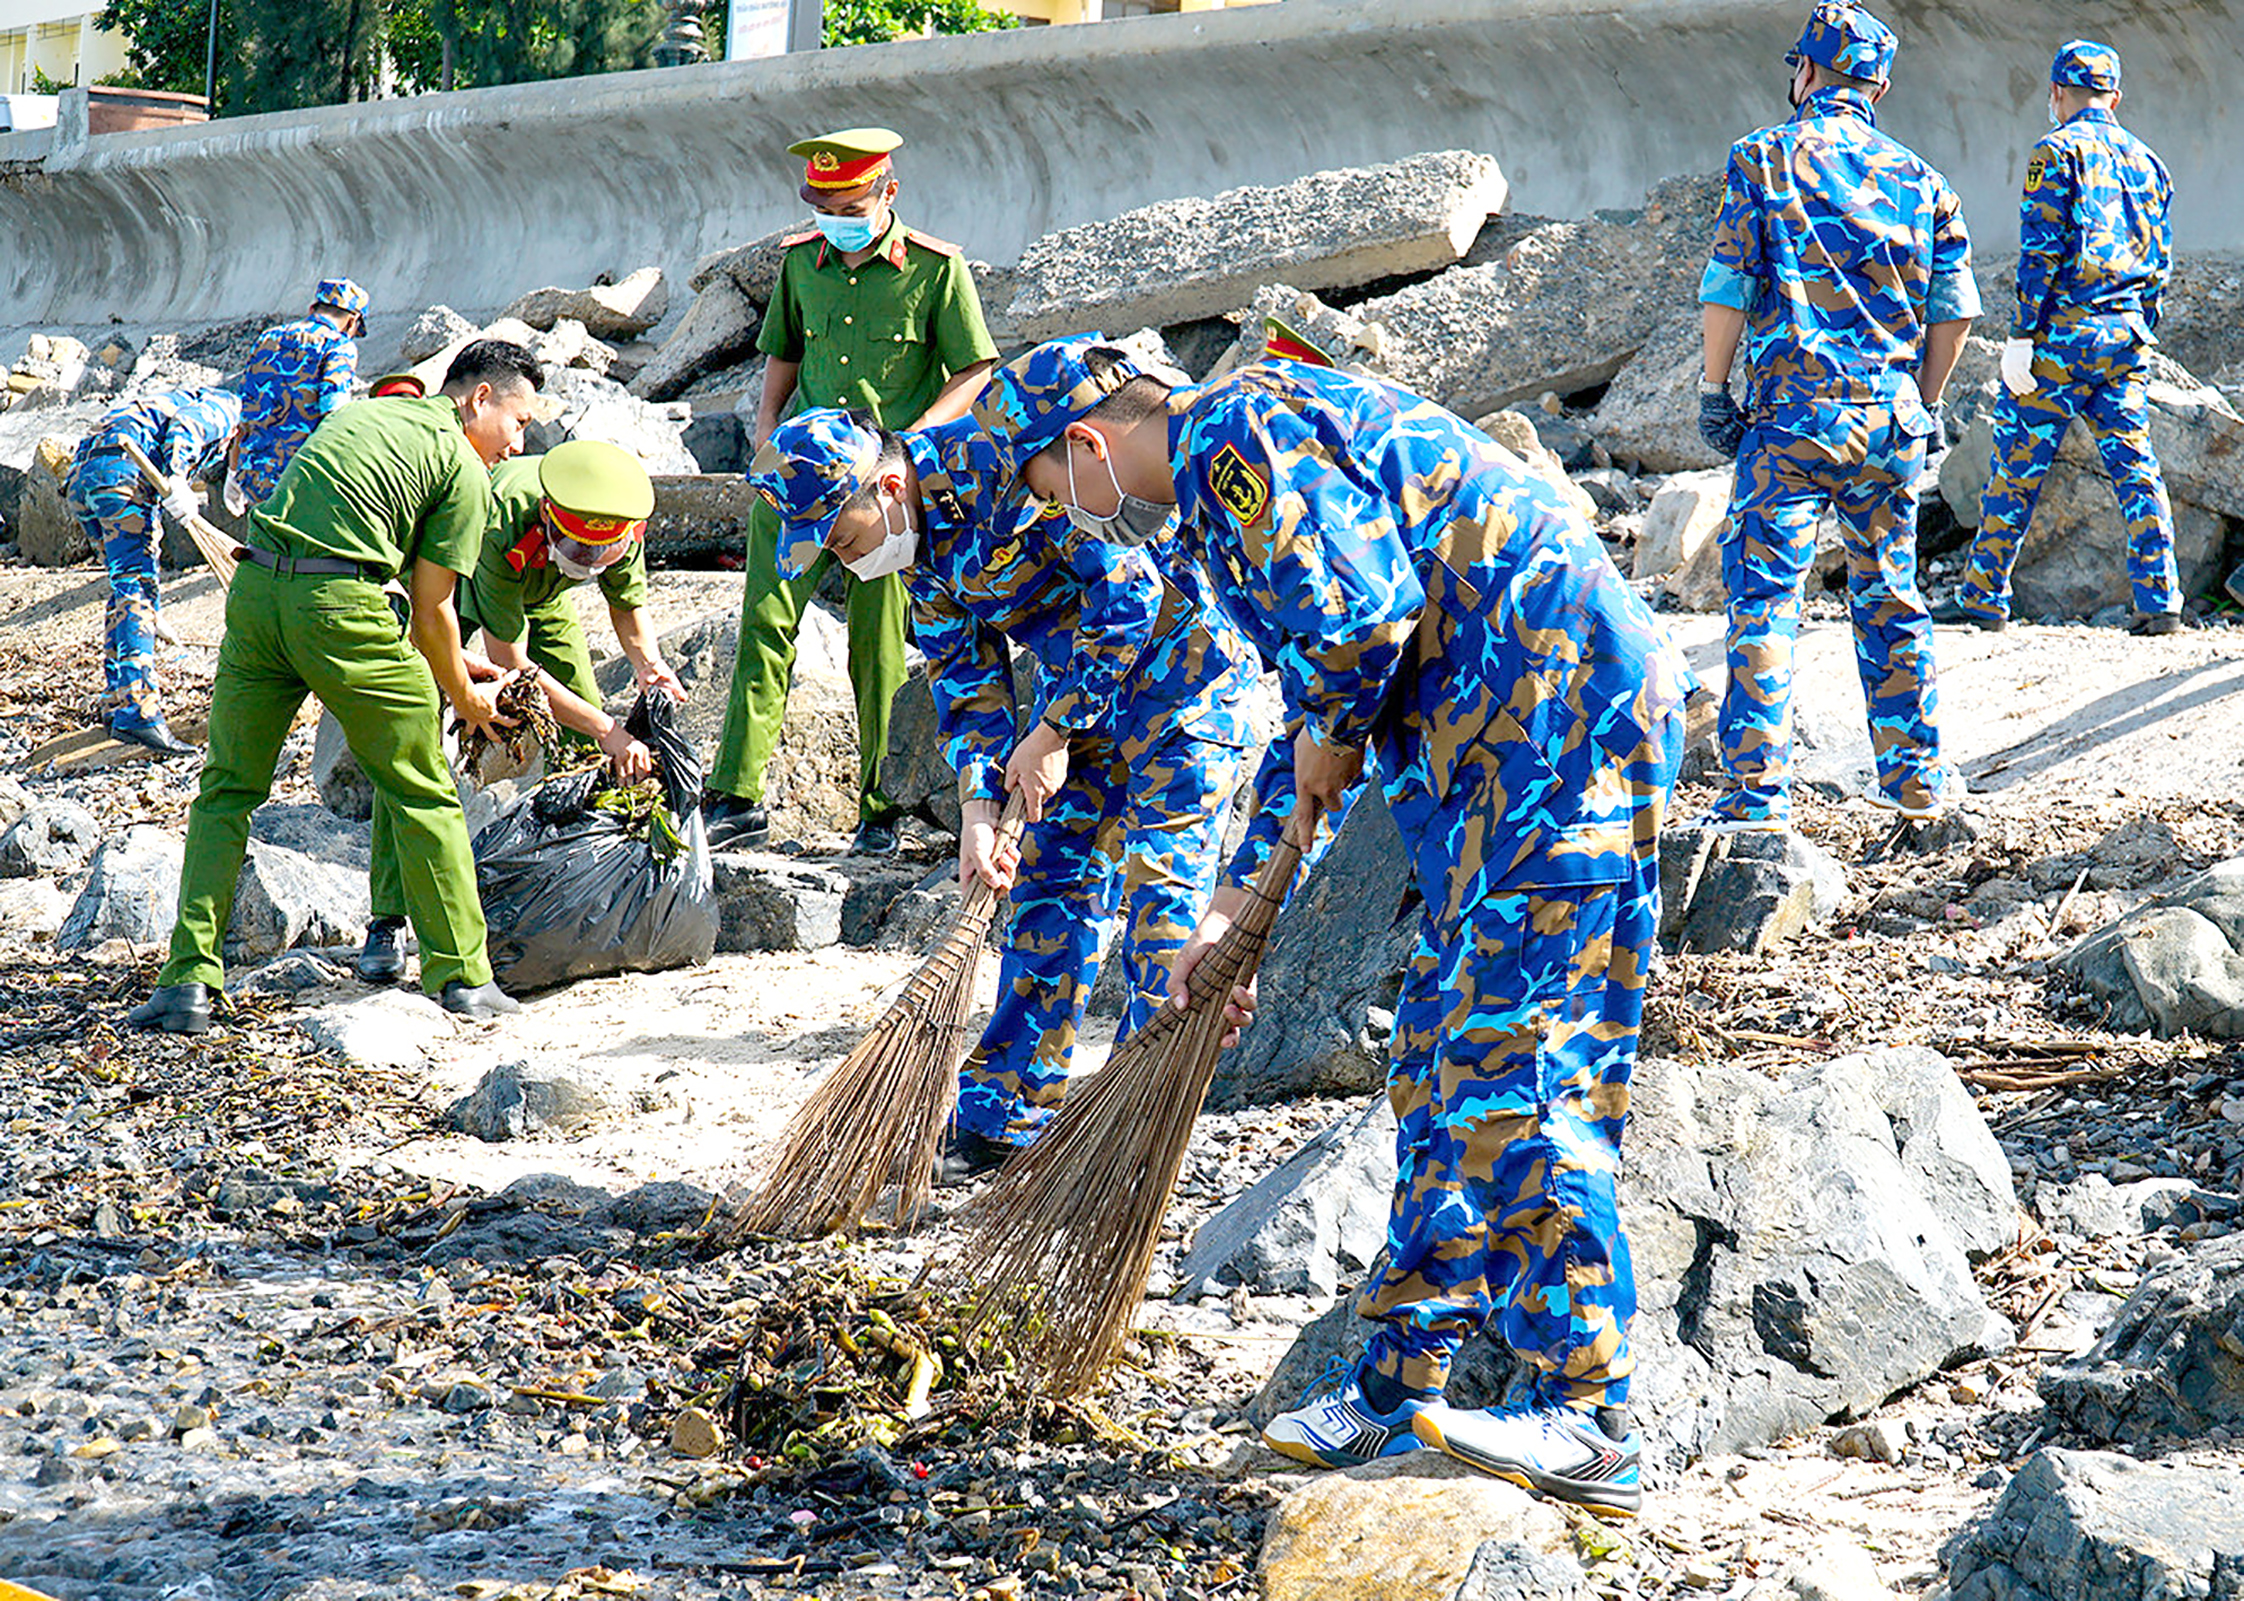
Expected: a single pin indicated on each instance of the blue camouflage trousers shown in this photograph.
(1867, 474)
(2109, 391)
(1514, 1044)
(120, 523)
(1135, 831)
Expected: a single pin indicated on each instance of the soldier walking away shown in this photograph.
(1842, 261)
(1133, 750)
(883, 320)
(1362, 538)
(185, 432)
(381, 492)
(297, 374)
(575, 514)
(2094, 251)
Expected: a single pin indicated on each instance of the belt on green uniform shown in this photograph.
(310, 566)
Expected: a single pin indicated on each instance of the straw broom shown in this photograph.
(217, 549)
(878, 1118)
(1058, 1248)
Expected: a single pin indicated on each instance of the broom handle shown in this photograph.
(1011, 824)
(217, 549)
(1239, 952)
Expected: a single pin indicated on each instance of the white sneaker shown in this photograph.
(1556, 1451)
(1952, 792)
(1340, 1430)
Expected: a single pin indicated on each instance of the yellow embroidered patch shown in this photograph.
(1238, 488)
(772, 501)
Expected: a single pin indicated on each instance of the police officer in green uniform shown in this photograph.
(578, 512)
(883, 320)
(378, 492)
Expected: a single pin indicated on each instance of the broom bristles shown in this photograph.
(1060, 1245)
(877, 1120)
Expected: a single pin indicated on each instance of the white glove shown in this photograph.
(181, 503)
(231, 494)
(2018, 366)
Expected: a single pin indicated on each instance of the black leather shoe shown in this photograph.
(477, 1003)
(2156, 622)
(157, 737)
(967, 1156)
(174, 1008)
(734, 824)
(381, 960)
(1955, 611)
(876, 837)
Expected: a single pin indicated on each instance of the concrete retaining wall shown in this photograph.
(472, 198)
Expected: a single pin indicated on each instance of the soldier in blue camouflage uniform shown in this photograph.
(2095, 248)
(297, 374)
(1426, 598)
(1134, 753)
(185, 433)
(1843, 256)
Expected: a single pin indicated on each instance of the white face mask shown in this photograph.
(575, 572)
(892, 555)
(2056, 118)
(1134, 520)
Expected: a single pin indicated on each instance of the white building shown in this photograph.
(59, 39)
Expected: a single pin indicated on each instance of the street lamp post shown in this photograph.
(210, 60)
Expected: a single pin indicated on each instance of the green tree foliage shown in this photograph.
(878, 21)
(164, 42)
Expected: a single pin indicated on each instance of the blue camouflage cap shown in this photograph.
(1032, 399)
(1848, 39)
(342, 294)
(809, 467)
(2085, 64)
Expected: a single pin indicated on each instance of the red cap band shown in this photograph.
(594, 530)
(825, 170)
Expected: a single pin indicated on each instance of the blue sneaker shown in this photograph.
(1340, 1430)
(1560, 1452)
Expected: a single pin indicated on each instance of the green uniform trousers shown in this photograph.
(338, 639)
(771, 610)
(556, 642)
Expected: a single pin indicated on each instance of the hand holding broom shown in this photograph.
(217, 549)
(1060, 1244)
(878, 1118)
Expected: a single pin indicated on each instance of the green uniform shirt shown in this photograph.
(498, 596)
(382, 482)
(881, 337)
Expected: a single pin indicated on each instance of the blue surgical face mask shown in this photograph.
(847, 233)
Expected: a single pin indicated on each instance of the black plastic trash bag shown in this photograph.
(573, 889)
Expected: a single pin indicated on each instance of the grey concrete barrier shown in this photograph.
(472, 198)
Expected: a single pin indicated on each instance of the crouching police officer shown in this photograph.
(379, 492)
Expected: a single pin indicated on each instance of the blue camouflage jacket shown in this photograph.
(2095, 244)
(1420, 590)
(297, 374)
(1842, 246)
(1128, 642)
(180, 430)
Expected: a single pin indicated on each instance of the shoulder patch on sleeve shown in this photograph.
(941, 247)
(1239, 487)
(795, 239)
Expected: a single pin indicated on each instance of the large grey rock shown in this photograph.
(31, 909)
(1517, 432)
(698, 515)
(132, 892)
(1562, 309)
(2173, 965)
(776, 903)
(1744, 892)
(753, 267)
(51, 837)
(915, 773)
(1506, 1570)
(620, 310)
(44, 527)
(1650, 413)
(1185, 259)
(285, 898)
(1331, 975)
(343, 786)
(388, 1028)
(568, 344)
(15, 800)
(1685, 512)
(437, 328)
(1312, 1226)
(592, 407)
(2095, 1208)
(718, 329)
(2089, 1526)
(2171, 1364)
(1697, 585)
(539, 1095)
(1800, 1249)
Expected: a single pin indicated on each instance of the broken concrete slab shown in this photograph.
(1517, 433)
(718, 330)
(698, 515)
(776, 903)
(1563, 310)
(591, 407)
(753, 267)
(1685, 512)
(1191, 258)
(621, 310)
(45, 529)
(1650, 413)
(437, 328)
